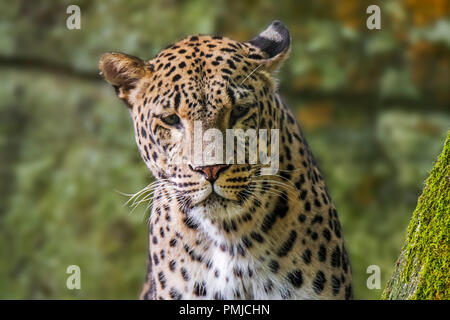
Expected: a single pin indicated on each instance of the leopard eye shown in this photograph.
(239, 111)
(171, 120)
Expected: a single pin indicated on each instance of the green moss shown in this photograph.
(423, 269)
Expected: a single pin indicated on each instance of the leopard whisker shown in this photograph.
(270, 191)
(287, 187)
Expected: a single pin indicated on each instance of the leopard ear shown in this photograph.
(123, 71)
(274, 44)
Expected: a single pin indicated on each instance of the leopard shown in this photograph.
(225, 231)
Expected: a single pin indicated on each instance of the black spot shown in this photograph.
(174, 294)
(326, 234)
(301, 150)
(257, 237)
(288, 244)
(256, 203)
(317, 203)
(170, 71)
(192, 254)
(176, 78)
(143, 132)
(172, 265)
(185, 274)
(280, 211)
(336, 285)
(162, 279)
(317, 219)
(247, 242)
(227, 50)
(344, 260)
(319, 282)
(307, 206)
(233, 225)
(226, 226)
(306, 256)
(231, 64)
(240, 250)
(296, 278)
(268, 286)
(322, 253)
(301, 217)
(303, 194)
(155, 259)
(348, 292)
(285, 175)
(200, 289)
(274, 266)
(190, 224)
(324, 198)
(255, 56)
(177, 101)
(337, 228)
(230, 94)
(146, 152)
(218, 296)
(301, 182)
(336, 257)
(238, 272)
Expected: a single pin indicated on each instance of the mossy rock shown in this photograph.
(423, 269)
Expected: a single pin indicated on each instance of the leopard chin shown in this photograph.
(214, 200)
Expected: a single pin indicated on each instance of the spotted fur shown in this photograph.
(242, 236)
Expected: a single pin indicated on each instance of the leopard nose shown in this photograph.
(210, 172)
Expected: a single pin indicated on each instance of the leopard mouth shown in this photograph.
(219, 195)
(213, 198)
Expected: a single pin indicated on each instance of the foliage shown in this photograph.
(423, 269)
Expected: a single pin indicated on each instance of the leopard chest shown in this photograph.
(213, 272)
(186, 264)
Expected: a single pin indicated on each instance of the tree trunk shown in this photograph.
(423, 268)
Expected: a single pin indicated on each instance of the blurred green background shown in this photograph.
(374, 106)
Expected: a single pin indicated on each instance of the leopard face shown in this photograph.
(215, 81)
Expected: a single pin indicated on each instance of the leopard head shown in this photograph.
(216, 82)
